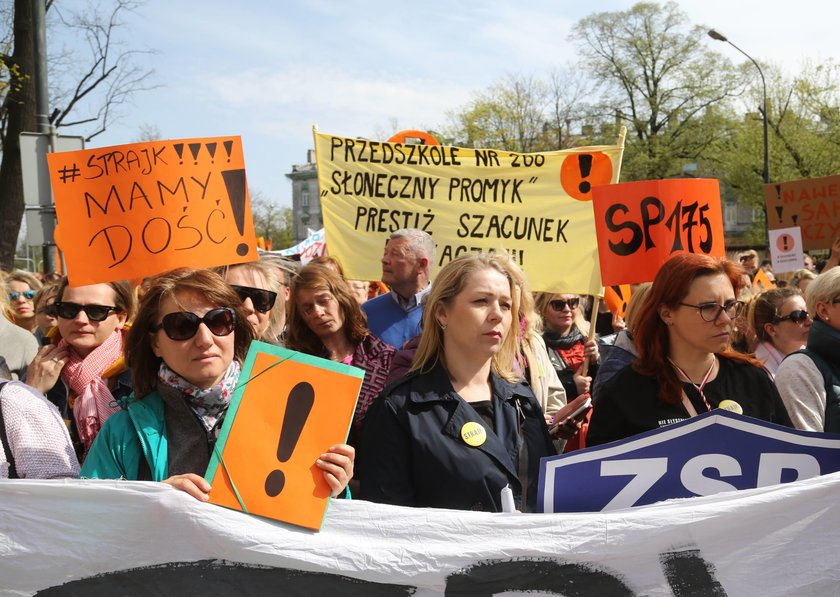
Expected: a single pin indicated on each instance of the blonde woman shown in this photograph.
(450, 434)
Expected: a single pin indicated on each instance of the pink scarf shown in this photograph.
(94, 402)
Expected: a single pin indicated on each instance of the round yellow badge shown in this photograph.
(473, 434)
(731, 406)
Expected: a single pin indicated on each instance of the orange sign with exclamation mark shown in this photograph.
(288, 409)
(582, 171)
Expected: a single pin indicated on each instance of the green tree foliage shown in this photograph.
(272, 221)
(657, 76)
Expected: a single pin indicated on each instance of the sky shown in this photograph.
(269, 71)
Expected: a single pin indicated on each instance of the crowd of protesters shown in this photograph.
(468, 380)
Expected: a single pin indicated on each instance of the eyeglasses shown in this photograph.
(798, 316)
(711, 311)
(27, 294)
(183, 325)
(560, 304)
(263, 300)
(49, 310)
(93, 312)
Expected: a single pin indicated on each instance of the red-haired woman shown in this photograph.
(685, 364)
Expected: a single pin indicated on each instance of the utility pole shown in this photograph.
(42, 103)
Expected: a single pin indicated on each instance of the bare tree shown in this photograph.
(103, 81)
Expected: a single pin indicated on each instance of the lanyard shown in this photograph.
(698, 386)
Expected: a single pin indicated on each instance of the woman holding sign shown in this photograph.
(459, 428)
(685, 365)
(185, 351)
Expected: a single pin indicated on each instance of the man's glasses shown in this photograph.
(798, 316)
(711, 311)
(183, 325)
(263, 300)
(27, 294)
(49, 310)
(93, 312)
(560, 304)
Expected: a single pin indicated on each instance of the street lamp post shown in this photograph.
(719, 37)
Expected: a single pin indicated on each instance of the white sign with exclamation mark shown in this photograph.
(786, 249)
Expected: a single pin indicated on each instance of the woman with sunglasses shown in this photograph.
(780, 322)
(257, 285)
(325, 320)
(22, 289)
(17, 346)
(809, 380)
(685, 364)
(87, 354)
(565, 336)
(185, 351)
(45, 316)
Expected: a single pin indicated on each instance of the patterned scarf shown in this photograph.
(94, 402)
(209, 405)
(555, 340)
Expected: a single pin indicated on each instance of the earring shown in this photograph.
(442, 326)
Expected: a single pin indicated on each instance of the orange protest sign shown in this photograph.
(287, 410)
(131, 211)
(812, 204)
(617, 298)
(641, 224)
(762, 281)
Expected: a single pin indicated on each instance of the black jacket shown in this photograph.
(414, 454)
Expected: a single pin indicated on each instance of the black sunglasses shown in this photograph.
(263, 300)
(798, 316)
(183, 325)
(50, 310)
(560, 304)
(93, 312)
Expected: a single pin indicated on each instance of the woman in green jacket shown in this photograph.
(185, 351)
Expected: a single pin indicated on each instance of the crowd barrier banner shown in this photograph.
(536, 206)
(143, 538)
(707, 454)
(813, 204)
(287, 410)
(641, 224)
(129, 211)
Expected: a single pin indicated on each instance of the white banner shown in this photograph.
(120, 537)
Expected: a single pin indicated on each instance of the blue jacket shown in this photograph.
(128, 436)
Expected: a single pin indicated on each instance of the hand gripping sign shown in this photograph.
(287, 410)
(641, 224)
(130, 211)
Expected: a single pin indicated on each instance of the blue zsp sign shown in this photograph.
(714, 452)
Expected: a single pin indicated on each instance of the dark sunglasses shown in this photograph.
(93, 312)
(798, 316)
(27, 294)
(560, 304)
(263, 300)
(183, 325)
(49, 310)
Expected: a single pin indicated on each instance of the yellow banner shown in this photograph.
(536, 206)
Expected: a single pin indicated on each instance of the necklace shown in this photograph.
(702, 384)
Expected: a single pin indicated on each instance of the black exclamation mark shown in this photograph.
(585, 163)
(194, 149)
(211, 149)
(179, 149)
(780, 207)
(622, 298)
(228, 148)
(236, 187)
(298, 407)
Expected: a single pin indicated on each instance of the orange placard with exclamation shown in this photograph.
(582, 171)
(287, 410)
(131, 211)
(617, 298)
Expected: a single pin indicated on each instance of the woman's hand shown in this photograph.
(590, 350)
(337, 466)
(44, 370)
(195, 485)
(582, 383)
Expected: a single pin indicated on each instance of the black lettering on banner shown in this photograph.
(111, 242)
(376, 152)
(623, 248)
(179, 185)
(167, 229)
(447, 253)
(528, 228)
(689, 220)
(207, 227)
(382, 186)
(376, 219)
(193, 228)
(526, 160)
(114, 162)
(689, 574)
(505, 576)
(112, 194)
(485, 190)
